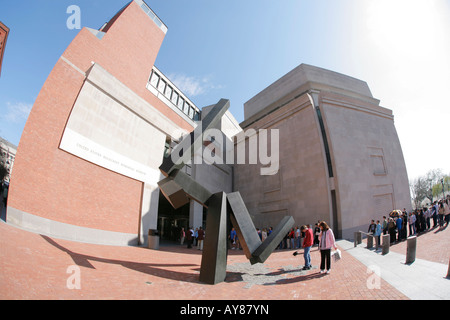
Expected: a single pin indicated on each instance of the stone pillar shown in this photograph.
(358, 238)
(411, 249)
(149, 211)
(369, 241)
(386, 244)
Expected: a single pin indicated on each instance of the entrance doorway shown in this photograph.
(170, 220)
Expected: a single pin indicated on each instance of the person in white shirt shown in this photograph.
(412, 223)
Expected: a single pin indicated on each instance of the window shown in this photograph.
(162, 85)
(145, 8)
(180, 103)
(154, 79)
(196, 116)
(168, 92)
(174, 98)
(191, 112)
(186, 108)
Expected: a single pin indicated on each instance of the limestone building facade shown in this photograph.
(340, 157)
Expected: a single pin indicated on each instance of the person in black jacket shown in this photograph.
(372, 227)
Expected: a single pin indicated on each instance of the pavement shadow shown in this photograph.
(153, 269)
(301, 278)
(273, 278)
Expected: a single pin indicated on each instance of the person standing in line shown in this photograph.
(391, 230)
(291, 239)
(233, 238)
(434, 214)
(385, 225)
(377, 233)
(200, 237)
(436, 209)
(412, 224)
(399, 228)
(189, 237)
(307, 244)
(404, 226)
(446, 212)
(427, 217)
(423, 226)
(372, 227)
(298, 235)
(195, 237)
(182, 236)
(326, 242)
(263, 234)
(441, 212)
(316, 234)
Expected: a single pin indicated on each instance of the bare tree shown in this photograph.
(424, 187)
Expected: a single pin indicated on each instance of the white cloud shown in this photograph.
(16, 112)
(192, 86)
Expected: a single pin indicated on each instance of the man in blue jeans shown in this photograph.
(307, 244)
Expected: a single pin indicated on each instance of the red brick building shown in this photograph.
(87, 163)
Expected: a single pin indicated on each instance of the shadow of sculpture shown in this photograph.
(154, 269)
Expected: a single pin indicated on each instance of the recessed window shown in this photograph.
(154, 79)
(378, 165)
(174, 98)
(180, 103)
(161, 85)
(196, 116)
(186, 108)
(168, 92)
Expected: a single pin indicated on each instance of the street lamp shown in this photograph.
(443, 193)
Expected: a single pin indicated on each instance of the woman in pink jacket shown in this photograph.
(326, 242)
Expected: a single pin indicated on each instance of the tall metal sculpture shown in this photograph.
(179, 189)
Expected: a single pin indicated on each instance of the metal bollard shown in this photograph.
(386, 244)
(411, 249)
(358, 238)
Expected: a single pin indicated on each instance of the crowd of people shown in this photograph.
(417, 221)
(300, 237)
(399, 225)
(193, 237)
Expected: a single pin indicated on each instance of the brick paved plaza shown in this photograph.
(38, 267)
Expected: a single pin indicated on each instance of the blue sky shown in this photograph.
(235, 48)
